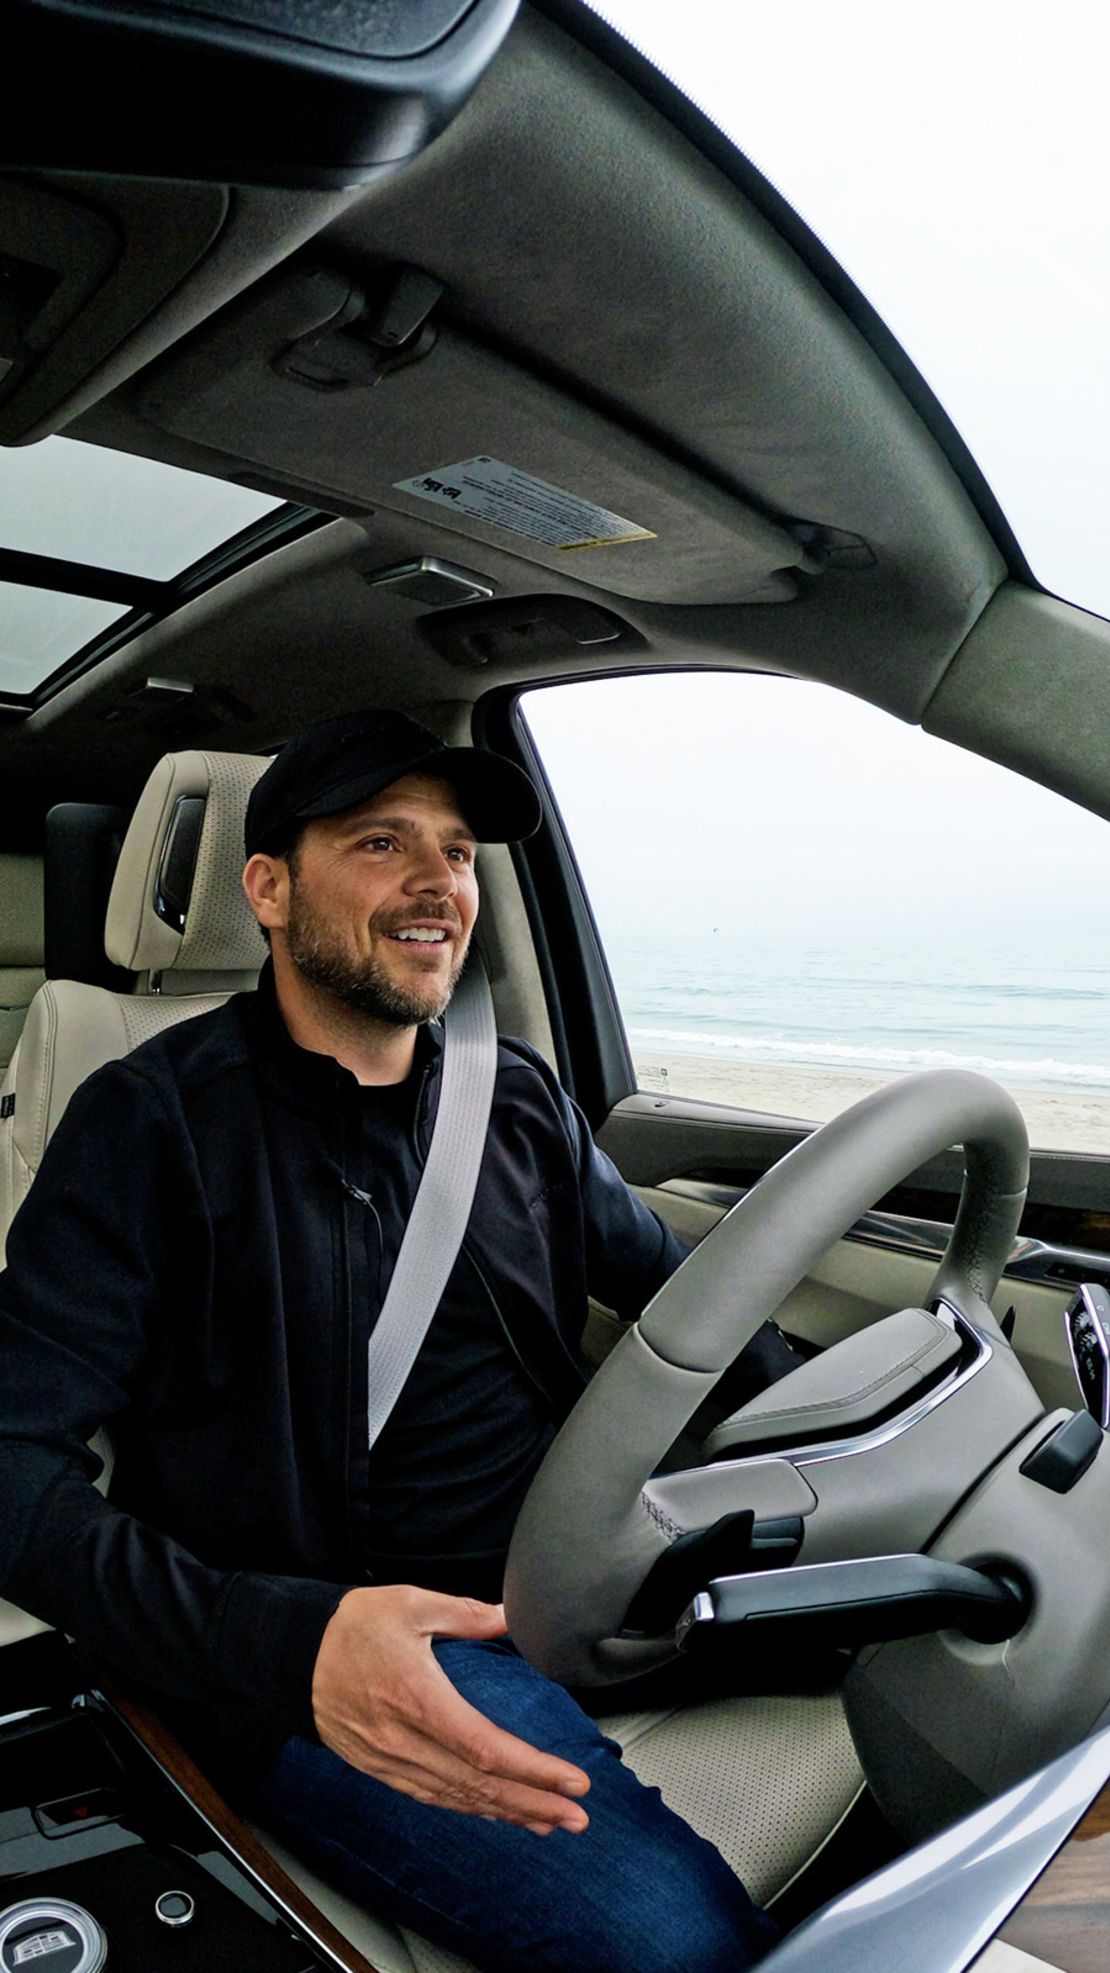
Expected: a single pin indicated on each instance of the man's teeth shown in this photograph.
(421, 936)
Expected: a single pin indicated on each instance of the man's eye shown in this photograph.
(377, 842)
(461, 852)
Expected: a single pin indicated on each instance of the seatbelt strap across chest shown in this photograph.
(441, 1209)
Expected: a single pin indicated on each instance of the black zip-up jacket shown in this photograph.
(190, 1271)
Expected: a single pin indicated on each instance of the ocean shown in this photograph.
(1026, 1012)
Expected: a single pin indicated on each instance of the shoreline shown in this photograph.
(1057, 1120)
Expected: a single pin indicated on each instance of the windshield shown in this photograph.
(954, 159)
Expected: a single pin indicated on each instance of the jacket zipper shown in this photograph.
(418, 1114)
(348, 1298)
(350, 1191)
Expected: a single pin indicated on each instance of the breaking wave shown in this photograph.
(842, 1054)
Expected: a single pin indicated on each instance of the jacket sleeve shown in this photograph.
(630, 1253)
(111, 1222)
(629, 1250)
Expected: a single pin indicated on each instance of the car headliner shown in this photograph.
(624, 316)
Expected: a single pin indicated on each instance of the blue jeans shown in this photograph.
(637, 1892)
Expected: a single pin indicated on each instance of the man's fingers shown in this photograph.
(429, 1772)
(383, 1702)
(458, 1616)
(454, 1724)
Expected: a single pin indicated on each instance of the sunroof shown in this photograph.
(41, 628)
(954, 160)
(90, 538)
(83, 503)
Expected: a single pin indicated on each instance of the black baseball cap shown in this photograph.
(342, 762)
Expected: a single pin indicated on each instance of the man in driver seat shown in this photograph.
(201, 1263)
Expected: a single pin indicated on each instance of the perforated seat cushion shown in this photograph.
(21, 945)
(768, 1780)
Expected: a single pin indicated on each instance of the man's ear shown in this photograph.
(266, 883)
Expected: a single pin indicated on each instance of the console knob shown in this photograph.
(175, 1908)
(53, 1934)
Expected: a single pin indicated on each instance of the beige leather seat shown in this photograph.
(71, 1028)
(767, 1779)
(21, 945)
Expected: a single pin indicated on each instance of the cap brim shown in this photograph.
(498, 801)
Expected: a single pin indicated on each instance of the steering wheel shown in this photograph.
(595, 1520)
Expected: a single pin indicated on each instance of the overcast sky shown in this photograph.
(956, 160)
(771, 805)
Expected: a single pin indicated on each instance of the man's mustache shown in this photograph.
(443, 915)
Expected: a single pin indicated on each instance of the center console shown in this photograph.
(106, 1864)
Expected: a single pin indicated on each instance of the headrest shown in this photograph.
(20, 910)
(177, 902)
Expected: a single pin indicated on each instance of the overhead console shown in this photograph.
(252, 92)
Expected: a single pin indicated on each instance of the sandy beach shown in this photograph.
(1057, 1120)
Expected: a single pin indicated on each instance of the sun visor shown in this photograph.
(301, 382)
(255, 92)
(78, 275)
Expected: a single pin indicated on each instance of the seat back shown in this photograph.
(21, 945)
(80, 852)
(176, 913)
(177, 921)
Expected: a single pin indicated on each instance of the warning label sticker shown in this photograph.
(489, 490)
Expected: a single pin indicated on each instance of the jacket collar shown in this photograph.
(309, 1079)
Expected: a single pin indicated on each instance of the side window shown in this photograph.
(800, 897)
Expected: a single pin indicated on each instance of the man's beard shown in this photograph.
(360, 984)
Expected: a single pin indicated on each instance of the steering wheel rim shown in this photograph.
(588, 1532)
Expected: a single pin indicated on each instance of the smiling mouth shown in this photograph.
(419, 935)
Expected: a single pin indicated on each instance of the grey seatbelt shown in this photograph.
(445, 1194)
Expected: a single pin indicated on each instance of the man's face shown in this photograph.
(382, 901)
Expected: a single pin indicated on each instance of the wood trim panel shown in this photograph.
(1065, 1918)
(172, 1758)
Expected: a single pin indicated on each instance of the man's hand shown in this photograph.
(383, 1704)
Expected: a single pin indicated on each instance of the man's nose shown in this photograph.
(431, 871)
